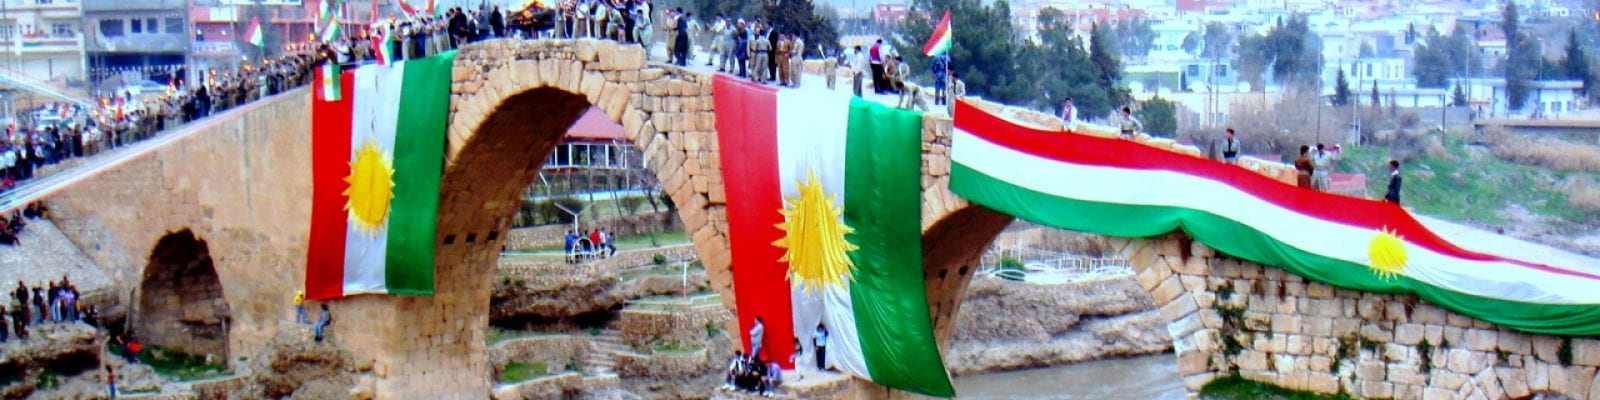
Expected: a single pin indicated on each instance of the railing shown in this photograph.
(45, 88)
(1045, 266)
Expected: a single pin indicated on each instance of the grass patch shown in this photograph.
(1234, 387)
(1468, 183)
(180, 366)
(521, 372)
(675, 347)
(623, 243)
(497, 335)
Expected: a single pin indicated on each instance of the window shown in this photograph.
(43, 1)
(1194, 70)
(136, 27)
(1222, 71)
(1369, 70)
(111, 27)
(7, 30)
(61, 30)
(152, 25)
(174, 25)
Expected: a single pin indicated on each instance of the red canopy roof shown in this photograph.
(595, 125)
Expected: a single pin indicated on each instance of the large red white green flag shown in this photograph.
(1121, 188)
(375, 179)
(825, 220)
(942, 38)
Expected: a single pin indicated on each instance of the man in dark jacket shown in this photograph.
(1393, 196)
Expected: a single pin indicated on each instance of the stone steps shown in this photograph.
(603, 349)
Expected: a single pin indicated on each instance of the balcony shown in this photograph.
(141, 5)
(140, 43)
(215, 49)
(44, 8)
(42, 45)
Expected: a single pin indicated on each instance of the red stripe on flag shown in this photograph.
(330, 163)
(1120, 153)
(747, 131)
(938, 32)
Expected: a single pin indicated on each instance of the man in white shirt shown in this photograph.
(858, 64)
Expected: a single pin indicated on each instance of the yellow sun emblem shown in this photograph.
(817, 251)
(371, 187)
(1388, 254)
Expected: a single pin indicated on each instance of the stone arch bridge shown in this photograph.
(242, 186)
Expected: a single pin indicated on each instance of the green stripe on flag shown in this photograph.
(418, 165)
(883, 202)
(1239, 240)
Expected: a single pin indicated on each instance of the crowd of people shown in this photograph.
(124, 117)
(597, 244)
(51, 302)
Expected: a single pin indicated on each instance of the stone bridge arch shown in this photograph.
(181, 304)
(512, 101)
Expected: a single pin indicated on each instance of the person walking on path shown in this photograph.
(1393, 195)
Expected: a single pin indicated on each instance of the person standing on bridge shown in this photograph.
(1305, 167)
(1321, 162)
(1393, 195)
(858, 69)
(819, 344)
(1230, 148)
(741, 49)
(300, 308)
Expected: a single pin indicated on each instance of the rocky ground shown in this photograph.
(64, 361)
(1007, 325)
(44, 254)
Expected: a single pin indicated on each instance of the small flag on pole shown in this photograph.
(329, 83)
(942, 40)
(255, 36)
(407, 9)
(381, 43)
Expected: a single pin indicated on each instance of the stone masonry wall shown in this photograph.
(1227, 315)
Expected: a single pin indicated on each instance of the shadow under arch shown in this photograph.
(181, 303)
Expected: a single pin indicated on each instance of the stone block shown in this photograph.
(1585, 352)
(1447, 380)
(1514, 381)
(1193, 383)
(1251, 360)
(1481, 340)
(1409, 334)
(1377, 390)
(1322, 383)
(1179, 307)
(1318, 291)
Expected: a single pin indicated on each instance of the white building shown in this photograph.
(42, 39)
(1546, 99)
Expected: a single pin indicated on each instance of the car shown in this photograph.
(144, 89)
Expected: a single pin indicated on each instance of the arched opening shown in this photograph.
(181, 304)
(1059, 325)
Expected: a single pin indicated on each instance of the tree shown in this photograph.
(1520, 64)
(800, 16)
(1296, 54)
(1159, 116)
(1576, 64)
(1135, 37)
(1252, 60)
(1217, 42)
(1341, 90)
(1458, 98)
(1107, 64)
(1375, 100)
(986, 48)
(1063, 69)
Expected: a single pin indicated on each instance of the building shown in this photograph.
(889, 14)
(43, 40)
(130, 42)
(219, 25)
(1546, 99)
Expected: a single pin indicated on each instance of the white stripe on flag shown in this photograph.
(813, 125)
(374, 114)
(1494, 279)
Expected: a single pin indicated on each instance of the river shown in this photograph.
(1152, 377)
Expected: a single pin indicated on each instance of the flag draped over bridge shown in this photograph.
(375, 178)
(824, 216)
(1121, 188)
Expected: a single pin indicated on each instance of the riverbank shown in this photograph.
(1007, 325)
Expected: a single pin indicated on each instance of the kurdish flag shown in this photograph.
(942, 38)
(1121, 188)
(826, 228)
(255, 37)
(375, 180)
